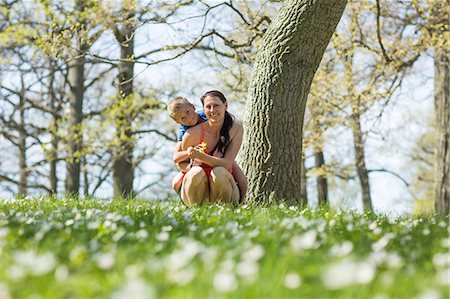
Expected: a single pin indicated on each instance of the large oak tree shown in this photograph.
(289, 56)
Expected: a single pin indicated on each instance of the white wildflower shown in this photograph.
(382, 242)
(181, 276)
(443, 277)
(373, 225)
(167, 228)
(106, 261)
(61, 273)
(227, 265)
(118, 235)
(340, 250)
(348, 272)
(394, 260)
(36, 264)
(225, 282)
(209, 256)
(305, 241)
(185, 254)
(162, 236)
(232, 227)
(93, 225)
(429, 294)
(136, 288)
(247, 269)
(16, 272)
(441, 259)
(292, 281)
(4, 291)
(69, 222)
(141, 234)
(445, 243)
(255, 253)
(4, 232)
(133, 271)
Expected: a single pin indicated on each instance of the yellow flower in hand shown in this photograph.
(203, 146)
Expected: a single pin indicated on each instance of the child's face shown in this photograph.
(186, 116)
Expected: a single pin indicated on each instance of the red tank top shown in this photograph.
(207, 168)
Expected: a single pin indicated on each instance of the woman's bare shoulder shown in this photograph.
(194, 130)
(237, 127)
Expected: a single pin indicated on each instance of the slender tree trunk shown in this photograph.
(123, 155)
(76, 82)
(53, 168)
(289, 56)
(304, 184)
(358, 145)
(322, 184)
(22, 142)
(319, 159)
(442, 104)
(53, 155)
(85, 177)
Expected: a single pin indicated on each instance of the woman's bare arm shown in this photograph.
(237, 133)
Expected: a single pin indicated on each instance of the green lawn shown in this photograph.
(140, 249)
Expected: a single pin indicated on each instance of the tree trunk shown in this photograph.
(76, 83)
(22, 142)
(304, 184)
(289, 56)
(319, 160)
(322, 184)
(442, 104)
(85, 178)
(358, 144)
(123, 155)
(53, 155)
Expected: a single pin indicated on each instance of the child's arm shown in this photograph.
(179, 155)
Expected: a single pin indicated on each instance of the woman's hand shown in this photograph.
(196, 152)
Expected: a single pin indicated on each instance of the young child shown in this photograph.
(183, 112)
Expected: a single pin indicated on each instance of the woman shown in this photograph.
(209, 179)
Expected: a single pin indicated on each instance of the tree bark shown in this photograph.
(321, 179)
(22, 143)
(77, 88)
(123, 155)
(289, 56)
(76, 84)
(304, 184)
(358, 145)
(319, 159)
(53, 155)
(442, 106)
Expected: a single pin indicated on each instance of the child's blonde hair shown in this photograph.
(176, 104)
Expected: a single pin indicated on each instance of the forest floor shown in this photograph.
(67, 248)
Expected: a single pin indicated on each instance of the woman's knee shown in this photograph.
(219, 174)
(221, 179)
(195, 176)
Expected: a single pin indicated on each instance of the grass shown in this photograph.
(67, 248)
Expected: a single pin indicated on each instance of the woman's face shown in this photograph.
(214, 108)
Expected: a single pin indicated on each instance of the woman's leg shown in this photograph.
(222, 186)
(177, 181)
(195, 189)
(241, 181)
